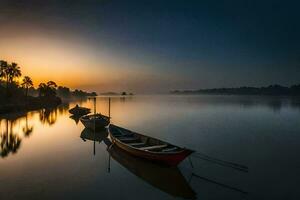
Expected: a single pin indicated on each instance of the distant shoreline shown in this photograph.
(272, 90)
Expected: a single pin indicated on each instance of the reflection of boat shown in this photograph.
(75, 118)
(98, 136)
(167, 179)
(94, 136)
(147, 147)
(79, 111)
(95, 121)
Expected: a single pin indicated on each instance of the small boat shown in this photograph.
(95, 121)
(167, 179)
(147, 147)
(79, 111)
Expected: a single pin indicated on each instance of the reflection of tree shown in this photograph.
(27, 130)
(63, 109)
(48, 116)
(9, 142)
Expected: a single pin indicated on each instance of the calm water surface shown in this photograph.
(48, 155)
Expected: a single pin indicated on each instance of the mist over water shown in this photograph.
(46, 154)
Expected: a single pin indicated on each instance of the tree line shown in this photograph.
(293, 90)
(10, 86)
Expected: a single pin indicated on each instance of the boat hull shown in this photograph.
(97, 125)
(167, 179)
(79, 111)
(171, 159)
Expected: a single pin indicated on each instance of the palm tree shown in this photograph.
(42, 89)
(27, 83)
(51, 88)
(51, 84)
(3, 66)
(48, 89)
(10, 72)
(13, 71)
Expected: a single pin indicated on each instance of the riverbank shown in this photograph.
(28, 104)
(271, 90)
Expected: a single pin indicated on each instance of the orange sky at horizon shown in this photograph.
(70, 62)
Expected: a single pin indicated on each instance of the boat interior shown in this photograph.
(95, 116)
(142, 142)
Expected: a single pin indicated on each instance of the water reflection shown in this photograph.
(273, 103)
(10, 142)
(98, 136)
(210, 124)
(48, 116)
(166, 179)
(27, 130)
(75, 118)
(16, 126)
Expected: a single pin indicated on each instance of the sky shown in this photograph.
(153, 46)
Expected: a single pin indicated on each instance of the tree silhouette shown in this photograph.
(42, 89)
(51, 88)
(48, 90)
(9, 72)
(3, 66)
(13, 71)
(3, 72)
(27, 83)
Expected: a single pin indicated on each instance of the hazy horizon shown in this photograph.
(153, 46)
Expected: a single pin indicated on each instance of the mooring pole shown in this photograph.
(109, 107)
(108, 170)
(94, 105)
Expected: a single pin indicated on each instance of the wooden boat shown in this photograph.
(147, 147)
(79, 111)
(95, 121)
(167, 179)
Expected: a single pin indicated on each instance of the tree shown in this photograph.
(3, 66)
(13, 71)
(3, 70)
(63, 91)
(48, 89)
(42, 89)
(51, 88)
(9, 72)
(27, 83)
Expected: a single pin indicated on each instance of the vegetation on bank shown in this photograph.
(275, 90)
(115, 93)
(16, 95)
